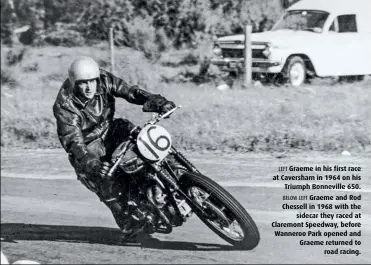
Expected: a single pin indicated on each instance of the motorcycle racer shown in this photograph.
(84, 111)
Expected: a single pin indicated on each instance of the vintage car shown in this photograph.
(313, 38)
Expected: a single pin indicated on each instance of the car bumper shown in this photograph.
(258, 66)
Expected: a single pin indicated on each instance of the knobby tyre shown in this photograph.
(234, 209)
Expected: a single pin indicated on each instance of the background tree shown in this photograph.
(138, 23)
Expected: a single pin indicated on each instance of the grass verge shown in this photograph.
(323, 117)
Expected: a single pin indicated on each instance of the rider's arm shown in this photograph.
(119, 88)
(133, 94)
(69, 133)
(71, 138)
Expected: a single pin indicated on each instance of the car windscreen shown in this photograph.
(308, 20)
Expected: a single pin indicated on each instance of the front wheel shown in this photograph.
(295, 71)
(223, 214)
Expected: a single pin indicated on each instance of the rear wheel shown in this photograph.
(223, 214)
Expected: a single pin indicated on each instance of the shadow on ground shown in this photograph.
(11, 232)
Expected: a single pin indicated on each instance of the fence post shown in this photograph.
(248, 56)
(112, 49)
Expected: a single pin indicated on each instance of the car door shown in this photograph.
(344, 51)
(363, 65)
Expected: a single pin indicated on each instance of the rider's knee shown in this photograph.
(123, 125)
(90, 183)
(119, 132)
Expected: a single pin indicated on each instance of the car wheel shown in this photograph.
(295, 71)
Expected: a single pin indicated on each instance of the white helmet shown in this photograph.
(83, 68)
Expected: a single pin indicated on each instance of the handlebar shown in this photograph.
(157, 117)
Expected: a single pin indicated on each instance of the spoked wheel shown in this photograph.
(222, 213)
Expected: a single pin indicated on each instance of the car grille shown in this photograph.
(233, 53)
(258, 54)
(239, 53)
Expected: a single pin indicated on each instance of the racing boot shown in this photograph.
(124, 222)
(121, 215)
(111, 198)
(130, 220)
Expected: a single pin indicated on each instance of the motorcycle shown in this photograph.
(166, 189)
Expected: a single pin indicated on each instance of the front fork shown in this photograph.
(173, 184)
(183, 160)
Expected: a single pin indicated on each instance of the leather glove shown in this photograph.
(157, 103)
(104, 168)
(93, 166)
(167, 107)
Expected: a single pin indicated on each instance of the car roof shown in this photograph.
(334, 6)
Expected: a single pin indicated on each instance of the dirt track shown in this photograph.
(46, 215)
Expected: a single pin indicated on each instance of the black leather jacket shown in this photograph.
(79, 124)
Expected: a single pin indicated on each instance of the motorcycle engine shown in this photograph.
(130, 163)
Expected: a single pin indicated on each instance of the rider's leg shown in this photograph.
(118, 132)
(101, 187)
(109, 199)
